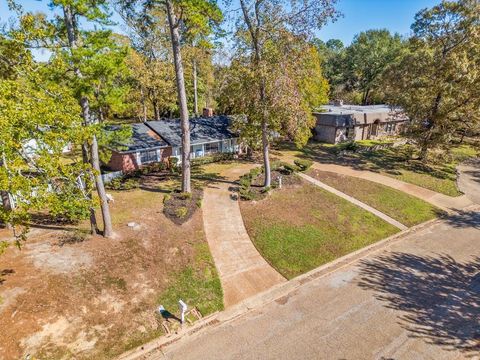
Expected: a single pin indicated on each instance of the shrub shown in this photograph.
(266, 189)
(199, 203)
(290, 169)
(181, 212)
(245, 181)
(303, 164)
(184, 196)
(348, 146)
(276, 165)
(166, 198)
(223, 156)
(255, 172)
(172, 164)
(203, 160)
(124, 183)
(246, 194)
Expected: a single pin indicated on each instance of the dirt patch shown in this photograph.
(180, 207)
(253, 189)
(95, 298)
(45, 255)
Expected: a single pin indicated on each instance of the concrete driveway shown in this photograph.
(469, 179)
(417, 297)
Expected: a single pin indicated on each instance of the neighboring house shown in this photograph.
(155, 141)
(339, 123)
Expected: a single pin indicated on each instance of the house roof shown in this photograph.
(349, 115)
(355, 109)
(202, 130)
(143, 138)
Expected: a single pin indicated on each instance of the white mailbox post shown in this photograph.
(183, 309)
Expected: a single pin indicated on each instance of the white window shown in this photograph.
(227, 146)
(211, 148)
(196, 151)
(148, 156)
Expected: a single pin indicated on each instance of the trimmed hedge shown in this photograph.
(303, 164)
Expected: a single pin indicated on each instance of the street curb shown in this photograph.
(264, 298)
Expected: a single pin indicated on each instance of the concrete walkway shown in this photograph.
(413, 297)
(355, 201)
(442, 201)
(243, 271)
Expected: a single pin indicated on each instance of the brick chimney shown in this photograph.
(207, 112)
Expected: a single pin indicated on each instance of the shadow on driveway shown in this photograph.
(464, 219)
(439, 297)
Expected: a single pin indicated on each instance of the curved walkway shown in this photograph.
(442, 201)
(243, 271)
(364, 206)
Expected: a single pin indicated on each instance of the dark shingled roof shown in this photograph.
(202, 130)
(143, 138)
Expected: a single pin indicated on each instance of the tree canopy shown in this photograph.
(436, 81)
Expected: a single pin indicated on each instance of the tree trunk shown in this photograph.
(182, 97)
(70, 24)
(266, 159)
(265, 142)
(195, 91)
(93, 216)
(365, 97)
(144, 106)
(7, 205)
(107, 221)
(254, 30)
(424, 152)
(156, 111)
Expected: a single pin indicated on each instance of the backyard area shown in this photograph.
(438, 174)
(321, 228)
(66, 293)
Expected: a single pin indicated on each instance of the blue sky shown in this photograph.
(358, 15)
(361, 15)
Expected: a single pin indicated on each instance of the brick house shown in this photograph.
(156, 141)
(337, 123)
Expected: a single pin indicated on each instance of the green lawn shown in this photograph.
(197, 283)
(298, 229)
(404, 208)
(438, 174)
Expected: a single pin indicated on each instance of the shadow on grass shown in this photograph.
(159, 181)
(50, 222)
(392, 161)
(439, 297)
(167, 315)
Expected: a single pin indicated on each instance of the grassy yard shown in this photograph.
(102, 294)
(299, 228)
(438, 174)
(404, 208)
